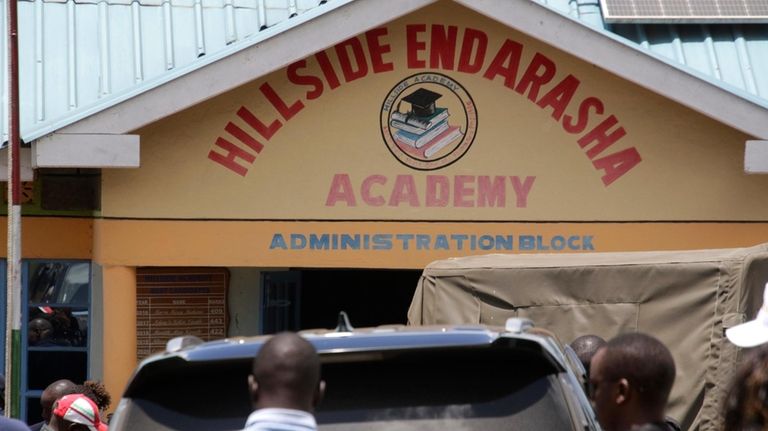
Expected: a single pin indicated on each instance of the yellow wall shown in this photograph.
(691, 168)
(119, 343)
(247, 244)
(52, 238)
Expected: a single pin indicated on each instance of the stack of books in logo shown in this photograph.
(424, 130)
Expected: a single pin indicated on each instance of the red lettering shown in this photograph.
(414, 46)
(442, 50)
(463, 192)
(617, 164)
(522, 190)
(491, 194)
(377, 50)
(600, 135)
(295, 78)
(583, 117)
(350, 74)
(365, 190)
(244, 137)
(404, 190)
(341, 191)
(327, 69)
(539, 72)
(438, 191)
(230, 160)
(505, 63)
(266, 131)
(468, 63)
(560, 96)
(286, 111)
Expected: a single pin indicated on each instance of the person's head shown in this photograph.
(76, 412)
(585, 348)
(286, 374)
(746, 404)
(630, 381)
(100, 395)
(54, 391)
(39, 330)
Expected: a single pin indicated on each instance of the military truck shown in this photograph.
(685, 298)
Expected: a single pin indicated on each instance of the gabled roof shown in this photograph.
(200, 58)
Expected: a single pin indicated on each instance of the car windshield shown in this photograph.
(478, 388)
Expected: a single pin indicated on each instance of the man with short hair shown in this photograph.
(53, 392)
(75, 412)
(630, 381)
(585, 348)
(285, 385)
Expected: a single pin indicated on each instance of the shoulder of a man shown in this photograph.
(7, 424)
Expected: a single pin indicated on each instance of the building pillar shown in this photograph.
(119, 342)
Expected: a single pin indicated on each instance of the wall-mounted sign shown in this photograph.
(428, 120)
(172, 302)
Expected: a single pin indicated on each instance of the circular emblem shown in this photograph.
(428, 121)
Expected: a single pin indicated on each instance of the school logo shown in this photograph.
(428, 121)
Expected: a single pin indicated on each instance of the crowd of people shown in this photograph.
(67, 406)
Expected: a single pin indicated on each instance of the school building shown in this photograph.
(237, 167)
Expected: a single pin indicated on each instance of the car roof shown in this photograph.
(382, 338)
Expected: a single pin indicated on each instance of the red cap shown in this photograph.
(79, 409)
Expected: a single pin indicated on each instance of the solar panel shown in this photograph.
(688, 11)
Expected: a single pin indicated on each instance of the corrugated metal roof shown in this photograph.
(80, 56)
(74, 54)
(734, 56)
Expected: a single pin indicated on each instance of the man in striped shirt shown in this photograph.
(285, 385)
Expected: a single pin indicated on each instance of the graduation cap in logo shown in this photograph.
(422, 102)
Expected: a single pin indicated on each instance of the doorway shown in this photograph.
(312, 298)
(370, 297)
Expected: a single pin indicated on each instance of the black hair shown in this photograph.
(645, 362)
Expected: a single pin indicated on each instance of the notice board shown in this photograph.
(171, 302)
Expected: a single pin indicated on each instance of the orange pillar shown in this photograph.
(119, 342)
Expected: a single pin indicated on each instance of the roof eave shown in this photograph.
(230, 69)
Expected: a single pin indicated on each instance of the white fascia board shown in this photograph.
(756, 157)
(25, 162)
(627, 61)
(234, 69)
(86, 151)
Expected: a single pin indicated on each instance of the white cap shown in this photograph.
(754, 332)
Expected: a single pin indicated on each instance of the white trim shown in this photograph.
(756, 157)
(623, 59)
(246, 65)
(86, 151)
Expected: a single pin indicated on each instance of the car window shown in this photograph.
(459, 389)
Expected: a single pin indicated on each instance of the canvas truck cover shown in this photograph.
(685, 298)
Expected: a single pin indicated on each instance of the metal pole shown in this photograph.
(13, 315)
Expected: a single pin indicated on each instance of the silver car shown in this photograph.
(384, 378)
